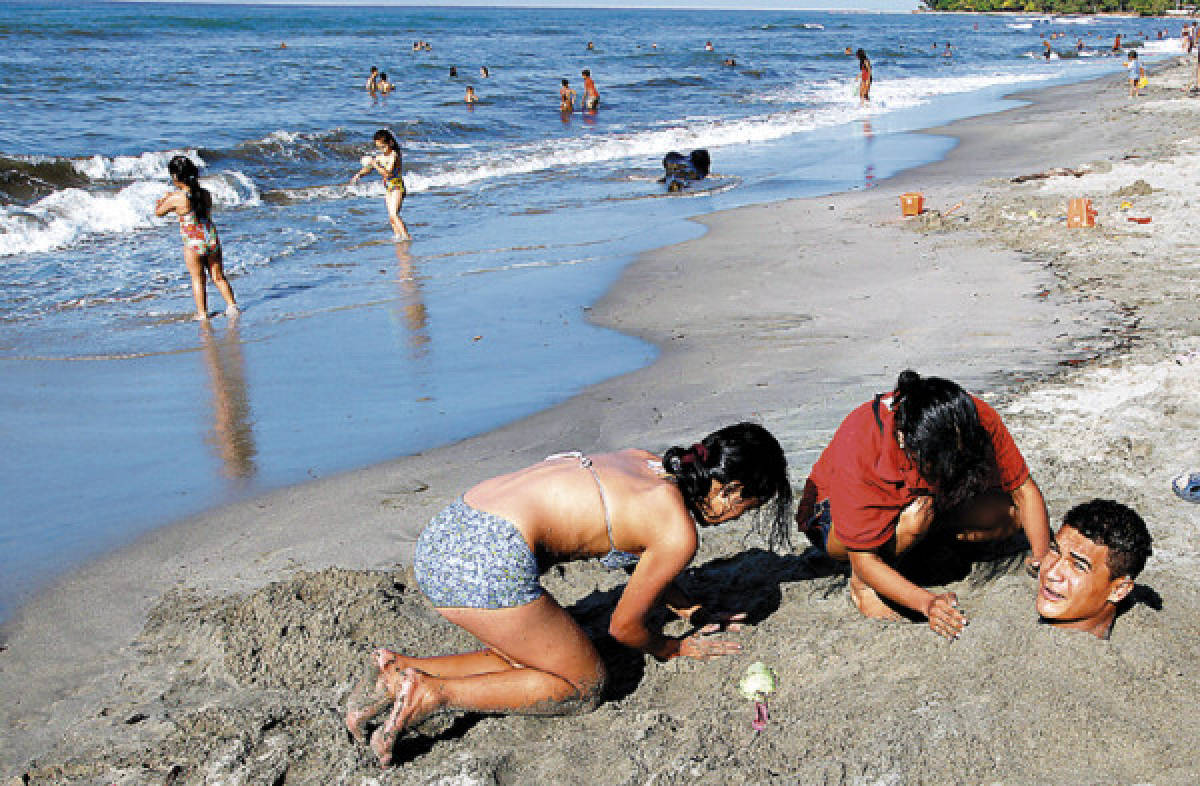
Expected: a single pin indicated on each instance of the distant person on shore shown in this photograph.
(390, 164)
(478, 562)
(385, 86)
(1135, 73)
(591, 96)
(926, 458)
(865, 76)
(470, 97)
(373, 80)
(566, 97)
(192, 203)
(1090, 568)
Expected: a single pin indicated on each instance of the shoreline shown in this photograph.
(248, 424)
(686, 391)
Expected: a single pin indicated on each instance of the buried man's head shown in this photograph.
(1097, 553)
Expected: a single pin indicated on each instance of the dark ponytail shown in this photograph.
(184, 170)
(748, 454)
(944, 438)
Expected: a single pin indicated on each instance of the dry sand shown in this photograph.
(219, 650)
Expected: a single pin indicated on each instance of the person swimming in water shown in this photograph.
(390, 164)
(479, 561)
(192, 203)
(470, 96)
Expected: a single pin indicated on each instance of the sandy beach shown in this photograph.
(220, 650)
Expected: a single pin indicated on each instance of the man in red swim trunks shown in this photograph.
(927, 447)
(591, 97)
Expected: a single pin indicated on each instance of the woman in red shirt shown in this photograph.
(926, 448)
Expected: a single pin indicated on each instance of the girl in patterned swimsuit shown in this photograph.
(201, 246)
(388, 163)
(479, 560)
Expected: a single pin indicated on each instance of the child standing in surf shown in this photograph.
(201, 246)
(864, 77)
(389, 163)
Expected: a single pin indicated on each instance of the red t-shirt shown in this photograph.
(869, 480)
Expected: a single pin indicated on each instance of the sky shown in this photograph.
(841, 5)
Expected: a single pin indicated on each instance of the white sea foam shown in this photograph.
(1020, 25)
(1167, 46)
(73, 215)
(147, 166)
(837, 103)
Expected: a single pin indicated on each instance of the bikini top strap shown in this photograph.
(586, 463)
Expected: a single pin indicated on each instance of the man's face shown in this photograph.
(1074, 583)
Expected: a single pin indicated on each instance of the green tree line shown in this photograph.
(1144, 7)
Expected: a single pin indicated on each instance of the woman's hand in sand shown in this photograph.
(702, 648)
(708, 622)
(944, 617)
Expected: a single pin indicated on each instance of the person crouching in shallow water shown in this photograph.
(926, 455)
(478, 562)
(1100, 549)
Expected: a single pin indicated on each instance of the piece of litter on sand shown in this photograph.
(1187, 486)
(1049, 173)
(1139, 219)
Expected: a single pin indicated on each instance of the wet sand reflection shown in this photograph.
(410, 305)
(232, 435)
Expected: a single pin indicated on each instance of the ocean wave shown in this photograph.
(150, 165)
(26, 178)
(835, 103)
(894, 94)
(794, 26)
(72, 216)
(1167, 46)
(341, 143)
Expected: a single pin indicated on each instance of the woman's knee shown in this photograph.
(589, 691)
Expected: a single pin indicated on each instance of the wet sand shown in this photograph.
(220, 650)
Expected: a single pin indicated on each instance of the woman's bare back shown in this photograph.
(557, 506)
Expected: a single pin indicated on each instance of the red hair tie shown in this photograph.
(701, 452)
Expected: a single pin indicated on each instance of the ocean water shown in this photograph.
(121, 414)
